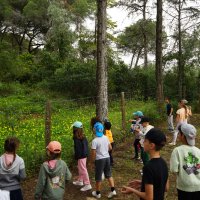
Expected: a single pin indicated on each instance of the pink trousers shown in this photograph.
(82, 171)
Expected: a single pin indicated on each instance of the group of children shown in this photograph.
(54, 172)
(184, 161)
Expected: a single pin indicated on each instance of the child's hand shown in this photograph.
(136, 184)
(126, 190)
(137, 130)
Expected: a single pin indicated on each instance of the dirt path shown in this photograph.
(124, 170)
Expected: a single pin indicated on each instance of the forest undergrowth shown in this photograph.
(124, 170)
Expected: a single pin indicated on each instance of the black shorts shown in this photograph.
(102, 165)
(16, 195)
(182, 195)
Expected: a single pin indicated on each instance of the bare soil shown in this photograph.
(125, 169)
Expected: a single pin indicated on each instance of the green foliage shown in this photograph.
(132, 80)
(59, 37)
(36, 12)
(23, 116)
(132, 38)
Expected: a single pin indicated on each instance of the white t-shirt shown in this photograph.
(185, 161)
(101, 145)
(143, 132)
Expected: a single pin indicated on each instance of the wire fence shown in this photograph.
(29, 121)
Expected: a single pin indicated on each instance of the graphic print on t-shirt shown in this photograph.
(192, 164)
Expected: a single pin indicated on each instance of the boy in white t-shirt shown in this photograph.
(185, 161)
(145, 121)
(100, 154)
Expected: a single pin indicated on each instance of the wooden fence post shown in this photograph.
(48, 123)
(123, 112)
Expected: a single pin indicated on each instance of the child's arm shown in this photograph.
(22, 172)
(136, 184)
(174, 161)
(68, 174)
(167, 186)
(147, 195)
(41, 183)
(109, 147)
(92, 156)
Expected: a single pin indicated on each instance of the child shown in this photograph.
(108, 133)
(145, 128)
(53, 174)
(81, 153)
(135, 127)
(185, 162)
(155, 173)
(93, 121)
(12, 170)
(169, 110)
(99, 153)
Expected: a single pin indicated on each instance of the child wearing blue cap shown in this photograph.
(135, 128)
(81, 154)
(100, 155)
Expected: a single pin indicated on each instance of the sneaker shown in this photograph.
(112, 194)
(94, 194)
(136, 158)
(86, 187)
(172, 143)
(79, 183)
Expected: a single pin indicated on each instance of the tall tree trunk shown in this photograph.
(180, 56)
(145, 50)
(159, 75)
(101, 71)
(145, 35)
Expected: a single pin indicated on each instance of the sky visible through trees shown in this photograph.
(123, 18)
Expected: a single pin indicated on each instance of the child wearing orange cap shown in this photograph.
(53, 174)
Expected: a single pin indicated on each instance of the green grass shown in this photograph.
(25, 118)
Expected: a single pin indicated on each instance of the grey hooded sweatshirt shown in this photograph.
(10, 176)
(51, 181)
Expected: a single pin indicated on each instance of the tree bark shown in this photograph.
(145, 50)
(159, 75)
(101, 71)
(138, 56)
(180, 56)
(145, 36)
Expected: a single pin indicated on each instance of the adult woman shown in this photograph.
(181, 117)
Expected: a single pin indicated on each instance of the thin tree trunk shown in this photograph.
(101, 72)
(145, 36)
(138, 56)
(180, 58)
(145, 51)
(159, 75)
(132, 58)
